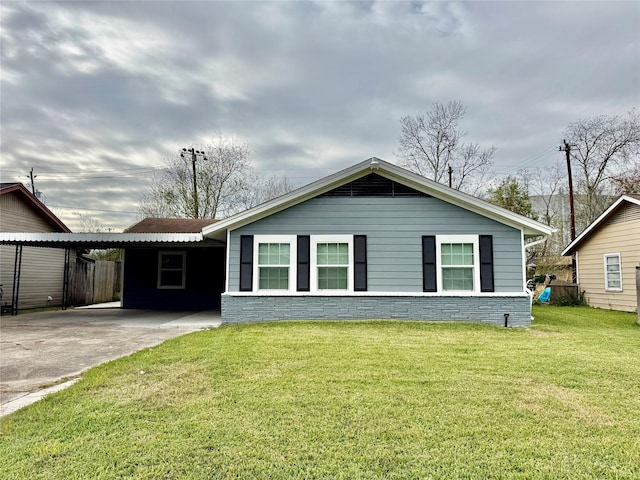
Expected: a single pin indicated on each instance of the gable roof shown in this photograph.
(531, 228)
(620, 202)
(170, 225)
(36, 205)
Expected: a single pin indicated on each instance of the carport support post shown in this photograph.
(17, 268)
(65, 281)
(638, 292)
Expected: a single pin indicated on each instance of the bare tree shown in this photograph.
(600, 146)
(221, 181)
(628, 181)
(430, 144)
(226, 183)
(265, 189)
(546, 187)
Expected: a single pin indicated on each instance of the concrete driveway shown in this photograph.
(39, 349)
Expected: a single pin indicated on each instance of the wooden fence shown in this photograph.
(93, 281)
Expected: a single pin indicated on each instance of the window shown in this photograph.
(331, 262)
(171, 270)
(458, 263)
(612, 272)
(273, 266)
(333, 266)
(274, 261)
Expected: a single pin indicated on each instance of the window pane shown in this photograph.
(273, 254)
(332, 278)
(332, 253)
(171, 261)
(457, 278)
(456, 254)
(273, 278)
(614, 282)
(171, 278)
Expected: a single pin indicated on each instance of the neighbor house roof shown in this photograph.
(531, 228)
(619, 203)
(170, 225)
(36, 205)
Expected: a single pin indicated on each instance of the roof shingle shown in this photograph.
(170, 225)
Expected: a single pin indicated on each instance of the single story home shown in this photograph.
(40, 283)
(371, 241)
(607, 254)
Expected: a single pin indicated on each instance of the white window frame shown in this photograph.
(606, 273)
(293, 261)
(473, 239)
(313, 277)
(182, 286)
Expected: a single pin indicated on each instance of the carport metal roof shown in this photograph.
(102, 240)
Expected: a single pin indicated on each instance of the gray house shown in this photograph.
(376, 241)
(371, 241)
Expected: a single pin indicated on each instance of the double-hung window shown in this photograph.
(171, 270)
(332, 261)
(458, 263)
(275, 261)
(612, 272)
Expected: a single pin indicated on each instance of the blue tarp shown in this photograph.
(544, 296)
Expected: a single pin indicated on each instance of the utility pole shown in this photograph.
(194, 156)
(567, 150)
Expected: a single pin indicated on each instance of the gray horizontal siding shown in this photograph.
(242, 309)
(394, 227)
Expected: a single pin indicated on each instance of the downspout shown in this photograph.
(537, 242)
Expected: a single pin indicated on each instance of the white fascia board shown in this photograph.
(587, 231)
(388, 170)
(97, 238)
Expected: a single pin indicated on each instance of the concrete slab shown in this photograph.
(37, 350)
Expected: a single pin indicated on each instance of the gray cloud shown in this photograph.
(93, 90)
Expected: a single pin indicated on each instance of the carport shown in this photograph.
(161, 271)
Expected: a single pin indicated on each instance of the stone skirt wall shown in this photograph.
(485, 309)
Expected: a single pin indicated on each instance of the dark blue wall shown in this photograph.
(203, 286)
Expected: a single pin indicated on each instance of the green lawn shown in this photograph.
(351, 400)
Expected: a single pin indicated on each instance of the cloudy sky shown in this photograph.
(95, 95)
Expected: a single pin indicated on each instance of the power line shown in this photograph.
(92, 209)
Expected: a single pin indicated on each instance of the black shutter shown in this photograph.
(246, 263)
(429, 274)
(486, 263)
(360, 263)
(304, 263)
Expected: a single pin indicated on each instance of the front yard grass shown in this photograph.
(351, 400)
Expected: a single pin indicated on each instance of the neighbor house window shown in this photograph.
(274, 261)
(332, 262)
(171, 270)
(458, 263)
(612, 272)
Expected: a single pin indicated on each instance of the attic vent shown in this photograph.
(373, 185)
